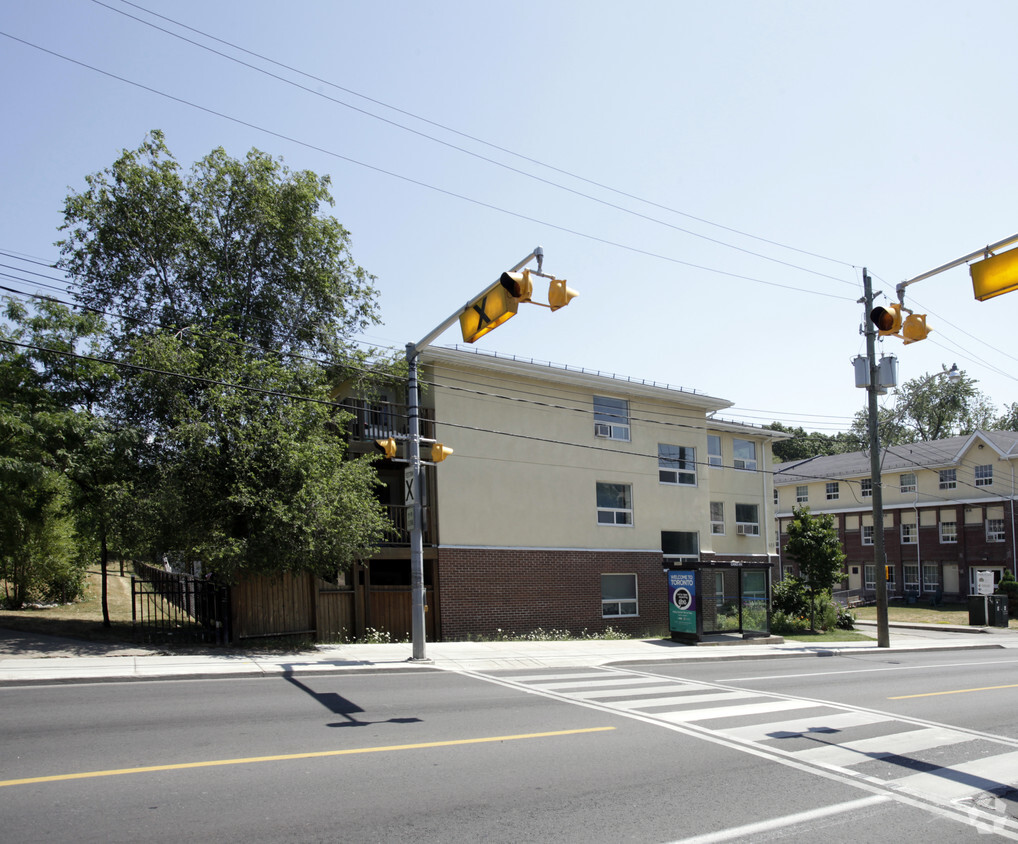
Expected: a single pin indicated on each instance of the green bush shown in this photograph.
(1009, 586)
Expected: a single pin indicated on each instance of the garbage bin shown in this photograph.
(977, 610)
(996, 610)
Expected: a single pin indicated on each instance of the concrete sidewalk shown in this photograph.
(28, 658)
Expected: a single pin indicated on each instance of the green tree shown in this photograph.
(240, 302)
(814, 545)
(805, 444)
(931, 407)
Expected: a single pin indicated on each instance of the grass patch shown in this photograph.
(829, 636)
(918, 614)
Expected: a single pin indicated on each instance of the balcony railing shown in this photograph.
(399, 516)
(374, 420)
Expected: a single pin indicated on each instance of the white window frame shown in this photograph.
(867, 535)
(909, 533)
(714, 458)
(611, 420)
(833, 490)
(869, 576)
(746, 527)
(907, 482)
(911, 577)
(745, 462)
(866, 487)
(995, 530)
(616, 607)
(619, 516)
(948, 536)
(948, 478)
(984, 475)
(717, 518)
(802, 494)
(931, 577)
(676, 467)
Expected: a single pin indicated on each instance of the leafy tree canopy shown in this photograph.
(805, 444)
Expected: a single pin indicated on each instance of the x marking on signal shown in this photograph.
(484, 319)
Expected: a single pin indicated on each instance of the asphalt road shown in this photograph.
(776, 749)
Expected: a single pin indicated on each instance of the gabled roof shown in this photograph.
(899, 458)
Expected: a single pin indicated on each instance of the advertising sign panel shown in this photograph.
(682, 601)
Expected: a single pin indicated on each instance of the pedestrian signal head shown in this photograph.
(559, 293)
(387, 447)
(887, 320)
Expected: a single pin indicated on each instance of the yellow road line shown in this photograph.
(290, 756)
(956, 692)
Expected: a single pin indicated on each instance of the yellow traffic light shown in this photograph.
(519, 285)
(486, 313)
(914, 328)
(995, 275)
(439, 452)
(559, 293)
(888, 573)
(888, 319)
(388, 447)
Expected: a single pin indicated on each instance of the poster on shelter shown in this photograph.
(682, 601)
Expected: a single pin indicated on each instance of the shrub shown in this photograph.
(1009, 586)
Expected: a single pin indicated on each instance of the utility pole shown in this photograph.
(880, 571)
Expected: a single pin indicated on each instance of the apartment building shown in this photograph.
(948, 511)
(568, 495)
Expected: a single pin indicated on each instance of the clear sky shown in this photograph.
(711, 176)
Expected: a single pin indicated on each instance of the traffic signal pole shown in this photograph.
(880, 572)
(413, 353)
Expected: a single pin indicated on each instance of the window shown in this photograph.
(907, 482)
(611, 418)
(948, 531)
(994, 530)
(801, 494)
(931, 577)
(867, 534)
(679, 546)
(870, 576)
(909, 534)
(984, 475)
(833, 491)
(744, 454)
(717, 518)
(747, 522)
(676, 464)
(948, 478)
(618, 595)
(866, 487)
(614, 504)
(777, 500)
(911, 578)
(713, 450)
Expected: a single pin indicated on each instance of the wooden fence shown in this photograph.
(305, 605)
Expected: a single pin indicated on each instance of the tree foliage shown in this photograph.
(195, 420)
(931, 407)
(814, 544)
(805, 444)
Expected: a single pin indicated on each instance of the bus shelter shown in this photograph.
(709, 598)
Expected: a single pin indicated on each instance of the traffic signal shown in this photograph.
(387, 446)
(888, 319)
(888, 576)
(559, 293)
(519, 285)
(914, 328)
(439, 452)
(487, 312)
(995, 275)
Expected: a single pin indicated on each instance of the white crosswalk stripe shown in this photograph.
(682, 702)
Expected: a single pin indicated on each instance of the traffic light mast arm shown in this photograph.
(972, 256)
(418, 347)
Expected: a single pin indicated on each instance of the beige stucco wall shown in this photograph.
(527, 462)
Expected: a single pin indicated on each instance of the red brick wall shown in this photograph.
(517, 591)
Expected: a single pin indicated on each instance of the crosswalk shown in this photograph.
(934, 763)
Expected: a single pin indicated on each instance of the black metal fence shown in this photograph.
(178, 607)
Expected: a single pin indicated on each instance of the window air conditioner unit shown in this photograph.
(746, 530)
(602, 429)
(739, 464)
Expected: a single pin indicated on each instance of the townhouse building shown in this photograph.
(948, 512)
(568, 496)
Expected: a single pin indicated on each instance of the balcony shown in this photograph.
(376, 420)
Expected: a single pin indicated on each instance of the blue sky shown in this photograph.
(711, 176)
